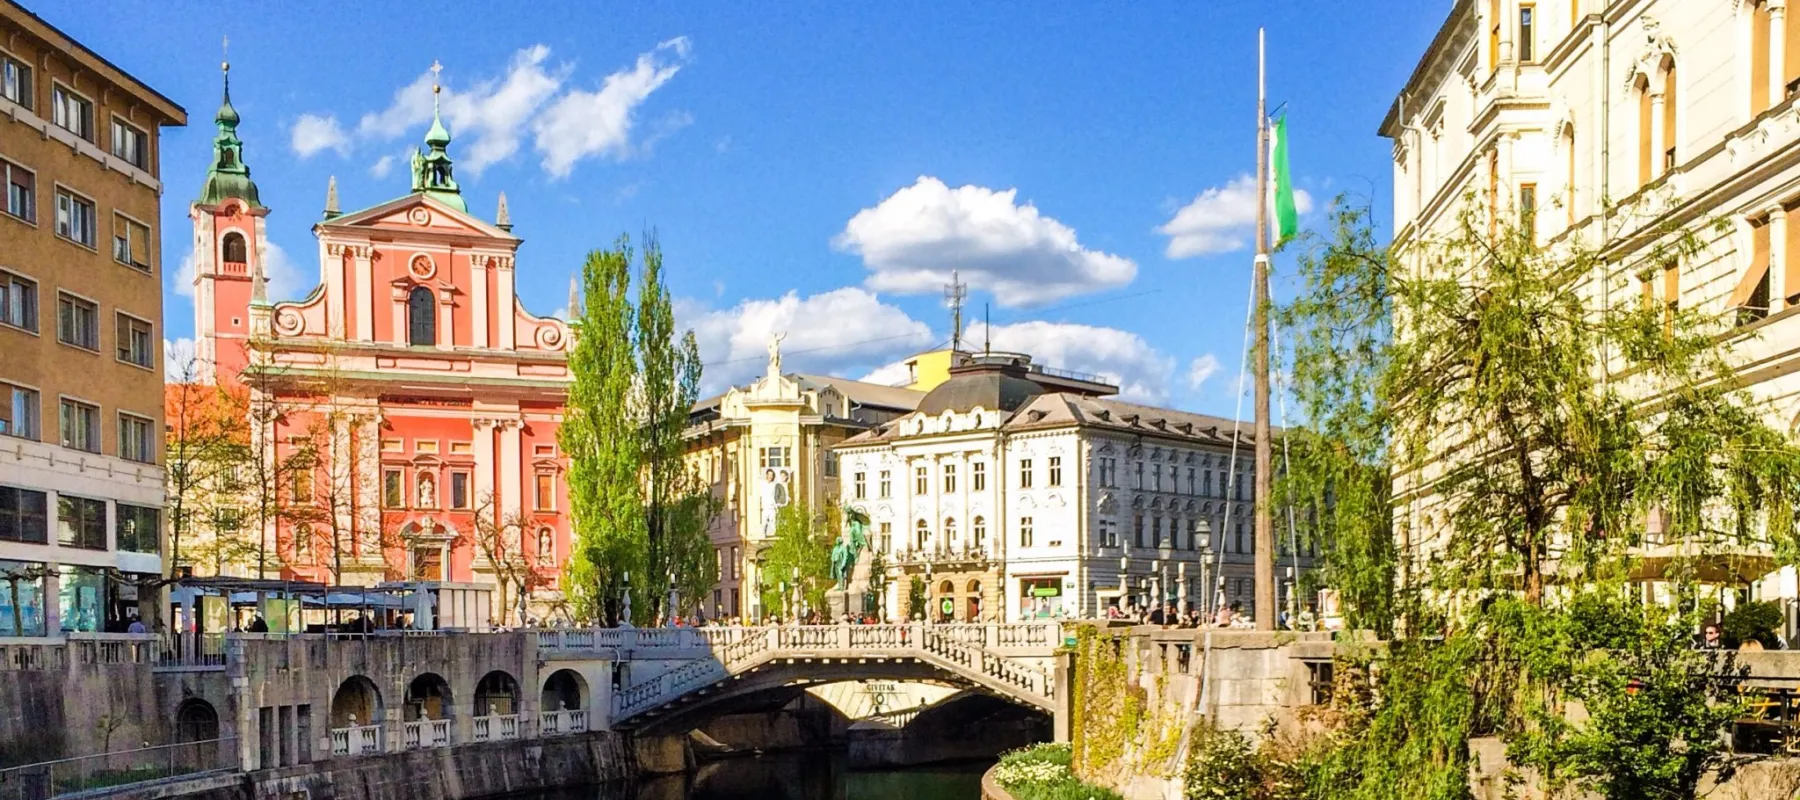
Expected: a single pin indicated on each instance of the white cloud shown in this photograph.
(285, 279)
(1141, 371)
(1219, 220)
(313, 133)
(1201, 369)
(893, 373)
(180, 361)
(843, 331)
(582, 124)
(381, 167)
(915, 238)
(491, 117)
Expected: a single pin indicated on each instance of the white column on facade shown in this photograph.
(1777, 51)
(368, 487)
(503, 305)
(334, 293)
(1778, 288)
(1658, 136)
(446, 329)
(1507, 201)
(484, 461)
(478, 299)
(365, 295)
(512, 468)
(399, 300)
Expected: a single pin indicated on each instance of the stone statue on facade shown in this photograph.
(775, 353)
(849, 548)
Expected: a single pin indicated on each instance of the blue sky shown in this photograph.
(811, 167)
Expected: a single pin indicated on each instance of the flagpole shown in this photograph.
(1265, 520)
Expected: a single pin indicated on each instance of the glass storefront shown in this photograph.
(81, 592)
(1040, 598)
(21, 598)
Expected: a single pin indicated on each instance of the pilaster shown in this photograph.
(365, 294)
(478, 299)
(1777, 51)
(1658, 136)
(512, 498)
(503, 310)
(1778, 256)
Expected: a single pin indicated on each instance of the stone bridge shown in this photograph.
(698, 672)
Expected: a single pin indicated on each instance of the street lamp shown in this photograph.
(1204, 529)
(1125, 582)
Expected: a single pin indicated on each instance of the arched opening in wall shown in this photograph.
(197, 727)
(950, 534)
(1671, 113)
(356, 703)
(1646, 148)
(974, 601)
(564, 690)
(496, 695)
(427, 697)
(980, 531)
(921, 536)
(421, 318)
(233, 250)
(946, 601)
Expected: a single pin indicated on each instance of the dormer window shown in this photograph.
(421, 318)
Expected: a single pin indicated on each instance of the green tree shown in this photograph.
(678, 503)
(601, 437)
(801, 553)
(1524, 437)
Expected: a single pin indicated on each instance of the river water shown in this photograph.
(813, 776)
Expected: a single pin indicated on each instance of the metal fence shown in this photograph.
(49, 779)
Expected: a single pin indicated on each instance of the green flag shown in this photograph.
(1287, 218)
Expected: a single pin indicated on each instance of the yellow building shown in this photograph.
(768, 444)
(81, 373)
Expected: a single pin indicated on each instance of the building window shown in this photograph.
(21, 412)
(1238, 487)
(980, 530)
(831, 464)
(80, 426)
(138, 529)
(1137, 530)
(887, 484)
(300, 486)
(1238, 538)
(950, 532)
(921, 536)
(1138, 479)
(1193, 488)
(978, 476)
(1109, 531)
(1528, 210)
(1024, 531)
(949, 479)
(1208, 484)
(136, 344)
(18, 302)
(233, 250)
(775, 457)
(72, 112)
(15, 81)
(1527, 42)
(921, 481)
(393, 489)
(421, 318)
(1056, 470)
(131, 242)
(459, 490)
(21, 191)
(130, 144)
(77, 322)
(545, 499)
(1024, 473)
(859, 485)
(74, 218)
(886, 542)
(24, 516)
(135, 440)
(81, 522)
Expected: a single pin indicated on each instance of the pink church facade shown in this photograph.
(430, 395)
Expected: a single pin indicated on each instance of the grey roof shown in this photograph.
(1063, 409)
(869, 394)
(991, 390)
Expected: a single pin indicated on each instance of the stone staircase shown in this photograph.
(1006, 659)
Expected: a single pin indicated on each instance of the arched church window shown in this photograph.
(235, 251)
(421, 318)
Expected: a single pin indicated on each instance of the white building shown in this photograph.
(1617, 123)
(1015, 492)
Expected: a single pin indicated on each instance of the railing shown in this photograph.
(427, 733)
(190, 650)
(113, 648)
(567, 721)
(356, 740)
(84, 773)
(33, 656)
(898, 719)
(496, 727)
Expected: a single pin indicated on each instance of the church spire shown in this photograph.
(228, 176)
(432, 172)
(503, 217)
(331, 199)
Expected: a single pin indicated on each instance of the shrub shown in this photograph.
(1042, 772)
(1748, 621)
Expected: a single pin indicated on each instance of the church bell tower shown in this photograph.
(230, 248)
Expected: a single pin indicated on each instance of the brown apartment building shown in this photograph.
(81, 420)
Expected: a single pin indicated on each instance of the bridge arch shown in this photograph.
(565, 689)
(357, 701)
(496, 693)
(196, 721)
(428, 696)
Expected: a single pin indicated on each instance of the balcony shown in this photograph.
(425, 732)
(355, 740)
(976, 556)
(564, 722)
(496, 728)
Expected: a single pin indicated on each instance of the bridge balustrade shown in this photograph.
(496, 727)
(427, 733)
(564, 722)
(356, 740)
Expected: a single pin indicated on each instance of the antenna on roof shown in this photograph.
(955, 293)
(987, 331)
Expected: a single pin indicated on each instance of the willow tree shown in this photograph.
(600, 436)
(1490, 425)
